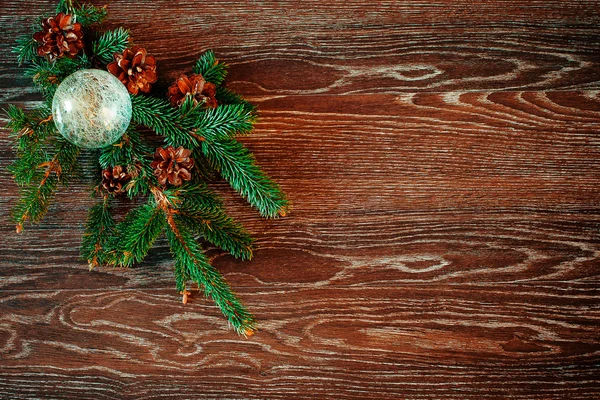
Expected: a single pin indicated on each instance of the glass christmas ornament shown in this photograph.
(91, 108)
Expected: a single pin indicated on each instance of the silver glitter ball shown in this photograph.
(91, 108)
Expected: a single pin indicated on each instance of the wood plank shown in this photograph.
(443, 161)
(497, 187)
(463, 341)
(351, 47)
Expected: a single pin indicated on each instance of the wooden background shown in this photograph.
(443, 158)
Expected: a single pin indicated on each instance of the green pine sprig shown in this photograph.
(223, 122)
(109, 43)
(238, 166)
(100, 227)
(133, 153)
(36, 197)
(210, 68)
(191, 263)
(47, 75)
(226, 96)
(88, 14)
(26, 49)
(203, 213)
(136, 234)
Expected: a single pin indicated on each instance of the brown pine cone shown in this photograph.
(115, 179)
(59, 37)
(135, 68)
(172, 165)
(194, 85)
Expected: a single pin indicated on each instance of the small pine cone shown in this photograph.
(201, 91)
(135, 68)
(115, 179)
(172, 165)
(59, 37)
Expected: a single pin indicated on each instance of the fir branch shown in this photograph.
(210, 68)
(110, 42)
(158, 115)
(136, 234)
(222, 122)
(26, 49)
(35, 199)
(226, 96)
(48, 75)
(191, 262)
(218, 228)
(203, 170)
(132, 152)
(202, 211)
(29, 129)
(100, 228)
(67, 6)
(129, 149)
(85, 14)
(89, 14)
(237, 165)
(197, 191)
(24, 168)
(66, 161)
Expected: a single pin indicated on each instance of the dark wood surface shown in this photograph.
(443, 158)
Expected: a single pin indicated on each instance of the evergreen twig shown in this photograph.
(131, 151)
(190, 262)
(48, 75)
(35, 199)
(136, 234)
(100, 228)
(109, 43)
(237, 165)
(26, 49)
(88, 14)
(223, 122)
(202, 212)
(226, 96)
(210, 68)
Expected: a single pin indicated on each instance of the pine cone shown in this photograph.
(194, 85)
(59, 37)
(135, 69)
(172, 165)
(114, 179)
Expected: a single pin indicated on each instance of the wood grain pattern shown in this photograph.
(443, 159)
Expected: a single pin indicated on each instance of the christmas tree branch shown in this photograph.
(203, 213)
(48, 75)
(136, 234)
(191, 262)
(100, 228)
(30, 130)
(35, 199)
(158, 115)
(26, 49)
(109, 43)
(88, 14)
(222, 122)
(67, 6)
(237, 165)
(226, 96)
(210, 68)
(131, 151)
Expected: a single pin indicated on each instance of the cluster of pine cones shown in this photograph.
(172, 166)
(62, 37)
